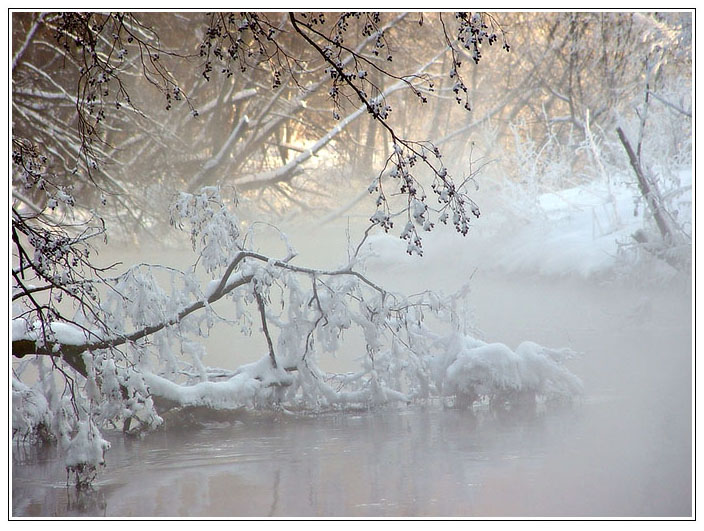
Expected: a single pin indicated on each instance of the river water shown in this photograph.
(623, 450)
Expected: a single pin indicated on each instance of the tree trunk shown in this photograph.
(649, 193)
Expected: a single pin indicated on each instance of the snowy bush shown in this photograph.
(31, 415)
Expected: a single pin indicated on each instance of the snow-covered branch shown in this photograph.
(142, 358)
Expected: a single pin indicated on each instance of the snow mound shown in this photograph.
(578, 232)
(86, 447)
(583, 230)
(474, 370)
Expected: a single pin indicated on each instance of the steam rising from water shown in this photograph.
(624, 451)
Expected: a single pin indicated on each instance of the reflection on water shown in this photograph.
(624, 450)
(410, 462)
(414, 462)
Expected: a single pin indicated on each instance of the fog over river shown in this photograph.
(358, 271)
(623, 449)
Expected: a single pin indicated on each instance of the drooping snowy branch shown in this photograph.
(142, 356)
(323, 311)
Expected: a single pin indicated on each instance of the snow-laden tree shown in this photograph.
(135, 354)
(94, 351)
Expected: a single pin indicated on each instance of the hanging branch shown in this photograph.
(404, 156)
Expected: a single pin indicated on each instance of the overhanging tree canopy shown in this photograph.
(100, 104)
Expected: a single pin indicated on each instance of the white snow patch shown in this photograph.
(211, 287)
(577, 231)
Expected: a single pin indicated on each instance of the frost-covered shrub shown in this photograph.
(31, 415)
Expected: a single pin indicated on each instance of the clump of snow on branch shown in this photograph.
(85, 452)
(475, 369)
(59, 332)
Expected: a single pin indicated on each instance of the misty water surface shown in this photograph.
(623, 450)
